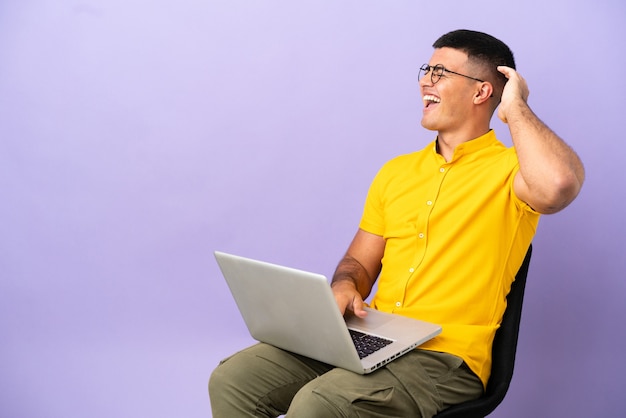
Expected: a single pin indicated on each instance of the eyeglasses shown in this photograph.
(437, 71)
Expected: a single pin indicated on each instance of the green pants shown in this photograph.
(264, 381)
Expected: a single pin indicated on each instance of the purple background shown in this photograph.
(137, 136)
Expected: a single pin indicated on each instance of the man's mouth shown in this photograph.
(429, 99)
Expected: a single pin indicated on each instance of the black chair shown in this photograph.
(503, 355)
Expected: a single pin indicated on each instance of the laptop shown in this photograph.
(295, 310)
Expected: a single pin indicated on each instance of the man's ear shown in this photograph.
(484, 92)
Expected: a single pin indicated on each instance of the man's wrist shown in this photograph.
(343, 280)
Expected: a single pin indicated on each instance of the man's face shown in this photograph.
(448, 102)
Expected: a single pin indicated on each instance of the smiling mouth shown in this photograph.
(429, 99)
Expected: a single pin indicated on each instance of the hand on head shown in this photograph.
(514, 90)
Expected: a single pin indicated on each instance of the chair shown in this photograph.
(503, 355)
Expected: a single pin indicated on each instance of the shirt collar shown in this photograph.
(470, 146)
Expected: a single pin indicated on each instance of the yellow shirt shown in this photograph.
(456, 235)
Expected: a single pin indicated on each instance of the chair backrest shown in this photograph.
(503, 354)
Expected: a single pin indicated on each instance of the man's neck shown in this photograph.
(447, 143)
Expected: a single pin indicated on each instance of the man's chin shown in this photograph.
(428, 125)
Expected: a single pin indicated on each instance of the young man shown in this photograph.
(444, 231)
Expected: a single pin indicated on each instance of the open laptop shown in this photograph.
(295, 310)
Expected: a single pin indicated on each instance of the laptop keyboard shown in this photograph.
(367, 344)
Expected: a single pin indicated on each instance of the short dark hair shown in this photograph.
(481, 48)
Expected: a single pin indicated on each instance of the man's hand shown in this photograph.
(515, 92)
(348, 298)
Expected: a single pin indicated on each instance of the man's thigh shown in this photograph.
(418, 384)
(260, 381)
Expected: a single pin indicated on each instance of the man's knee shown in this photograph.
(260, 377)
(220, 384)
(312, 402)
(232, 372)
(218, 380)
(228, 391)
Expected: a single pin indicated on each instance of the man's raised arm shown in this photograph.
(551, 174)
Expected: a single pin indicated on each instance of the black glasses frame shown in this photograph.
(436, 72)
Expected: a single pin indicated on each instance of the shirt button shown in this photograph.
(429, 203)
(411, 270)
(398, 304)
(420, 235)
(442, 169)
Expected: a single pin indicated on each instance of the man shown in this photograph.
(444, 231)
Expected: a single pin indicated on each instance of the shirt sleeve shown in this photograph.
(519, 203)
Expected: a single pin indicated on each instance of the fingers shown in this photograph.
(516, 83)
(507, 71)
(357, 307)
(515, 91)
(351, 302)
(348, 298)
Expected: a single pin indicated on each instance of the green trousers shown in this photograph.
(264, 381)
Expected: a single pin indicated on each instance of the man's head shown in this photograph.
(461, 85)
(485, 54)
